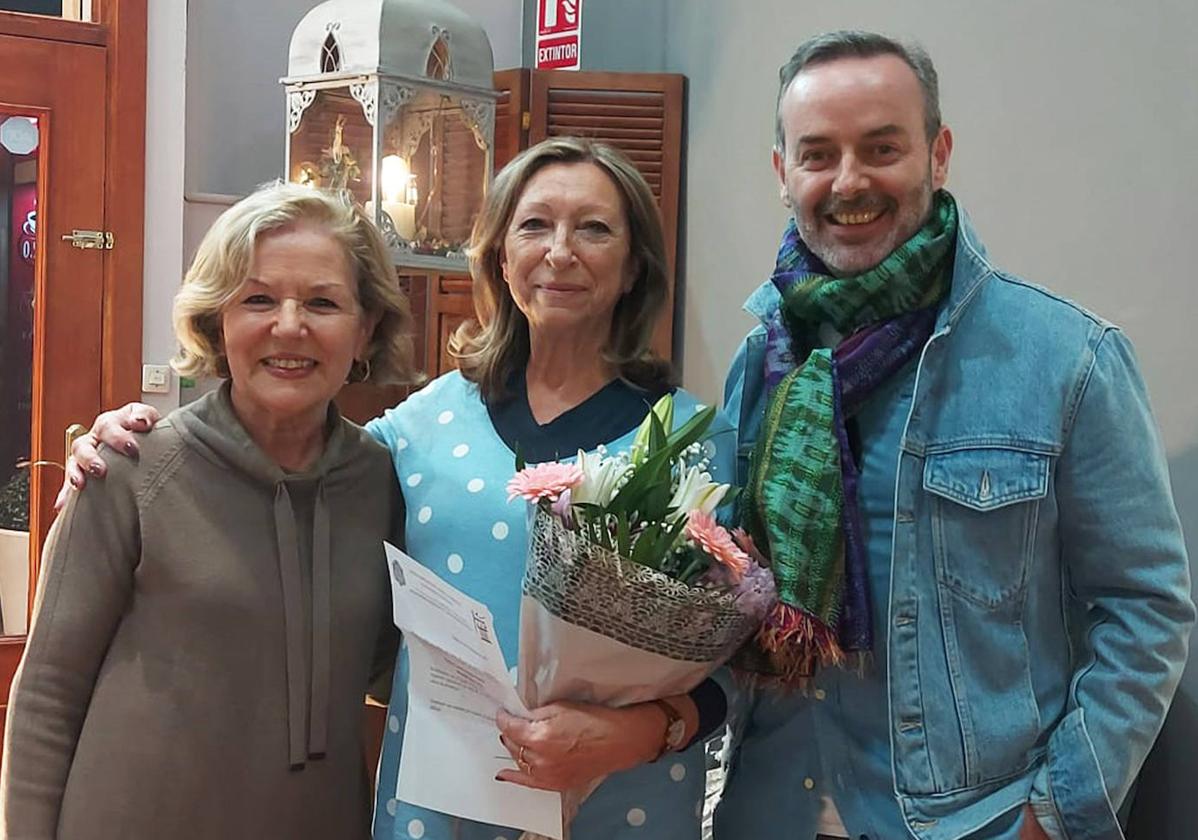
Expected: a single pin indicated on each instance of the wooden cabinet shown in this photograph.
(639, 113)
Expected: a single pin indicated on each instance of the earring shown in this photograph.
(359, 371)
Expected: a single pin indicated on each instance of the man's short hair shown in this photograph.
(851, 43)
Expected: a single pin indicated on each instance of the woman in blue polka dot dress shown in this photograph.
(569, 269)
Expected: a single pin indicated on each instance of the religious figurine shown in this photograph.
(338, 167)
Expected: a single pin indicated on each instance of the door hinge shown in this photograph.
(525, 120)
(99, 239)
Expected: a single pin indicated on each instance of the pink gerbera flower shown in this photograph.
(713, 538)
(544, 481)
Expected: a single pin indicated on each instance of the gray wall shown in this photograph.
(236, 54)
(1075, 123)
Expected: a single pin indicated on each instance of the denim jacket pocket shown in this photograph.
(984, 509)
(985, 504)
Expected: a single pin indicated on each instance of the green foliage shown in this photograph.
(14, 502)
(647, 494)
(636, 522)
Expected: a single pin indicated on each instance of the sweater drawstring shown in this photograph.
(318, 725)
(307, 709)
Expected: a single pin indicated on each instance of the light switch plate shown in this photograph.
(155, 379)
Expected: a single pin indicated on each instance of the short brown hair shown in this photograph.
(853, 43)
(490, 350)
(223, 260)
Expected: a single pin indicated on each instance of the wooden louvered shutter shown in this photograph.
(463, 171)
(511, 131)
(639, 113)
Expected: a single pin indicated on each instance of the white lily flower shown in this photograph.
(601, 477)
(696, 491)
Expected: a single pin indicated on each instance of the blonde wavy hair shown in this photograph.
(491, 349)
(223, 261)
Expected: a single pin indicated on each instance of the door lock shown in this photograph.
(88, 239)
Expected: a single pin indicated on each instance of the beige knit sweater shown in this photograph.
(205, 629)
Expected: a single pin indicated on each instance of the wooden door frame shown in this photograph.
(120, 28)
(124, 198)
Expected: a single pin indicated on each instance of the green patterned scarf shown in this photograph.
(795, 498)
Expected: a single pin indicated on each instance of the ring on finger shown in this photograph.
(522, 762)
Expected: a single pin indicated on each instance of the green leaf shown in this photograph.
(730, 497)
(692, 429)
(623, 535)
(663, 411)
(644, 550)
(676, 531)
(698, 565)
(657, 434)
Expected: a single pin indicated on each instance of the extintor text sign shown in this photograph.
(559, 34)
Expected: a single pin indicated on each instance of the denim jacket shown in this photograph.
(1039, 587)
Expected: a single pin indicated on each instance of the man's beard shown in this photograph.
(846, 260)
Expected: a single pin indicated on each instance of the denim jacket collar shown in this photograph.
(970, 268)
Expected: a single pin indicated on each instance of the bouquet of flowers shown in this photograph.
(632, 590)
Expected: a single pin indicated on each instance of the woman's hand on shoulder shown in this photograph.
(564, 746)
(113, 428)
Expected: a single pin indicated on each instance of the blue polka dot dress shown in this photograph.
(453, 468)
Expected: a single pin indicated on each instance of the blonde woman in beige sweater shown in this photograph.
(210, 614)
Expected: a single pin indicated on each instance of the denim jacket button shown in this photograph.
(809, 783)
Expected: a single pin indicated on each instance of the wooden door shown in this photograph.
(56, 89)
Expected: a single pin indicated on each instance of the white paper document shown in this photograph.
(451, 750)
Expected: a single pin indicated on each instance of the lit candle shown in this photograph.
(396, 185)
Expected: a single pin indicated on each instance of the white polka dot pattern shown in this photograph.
(449, 442)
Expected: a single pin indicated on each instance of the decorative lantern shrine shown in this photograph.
(393, 101)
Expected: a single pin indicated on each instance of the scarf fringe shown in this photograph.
(796, 642)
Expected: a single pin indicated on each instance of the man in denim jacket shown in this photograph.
(1026, 579)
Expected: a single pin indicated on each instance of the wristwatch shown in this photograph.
(675, 729)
